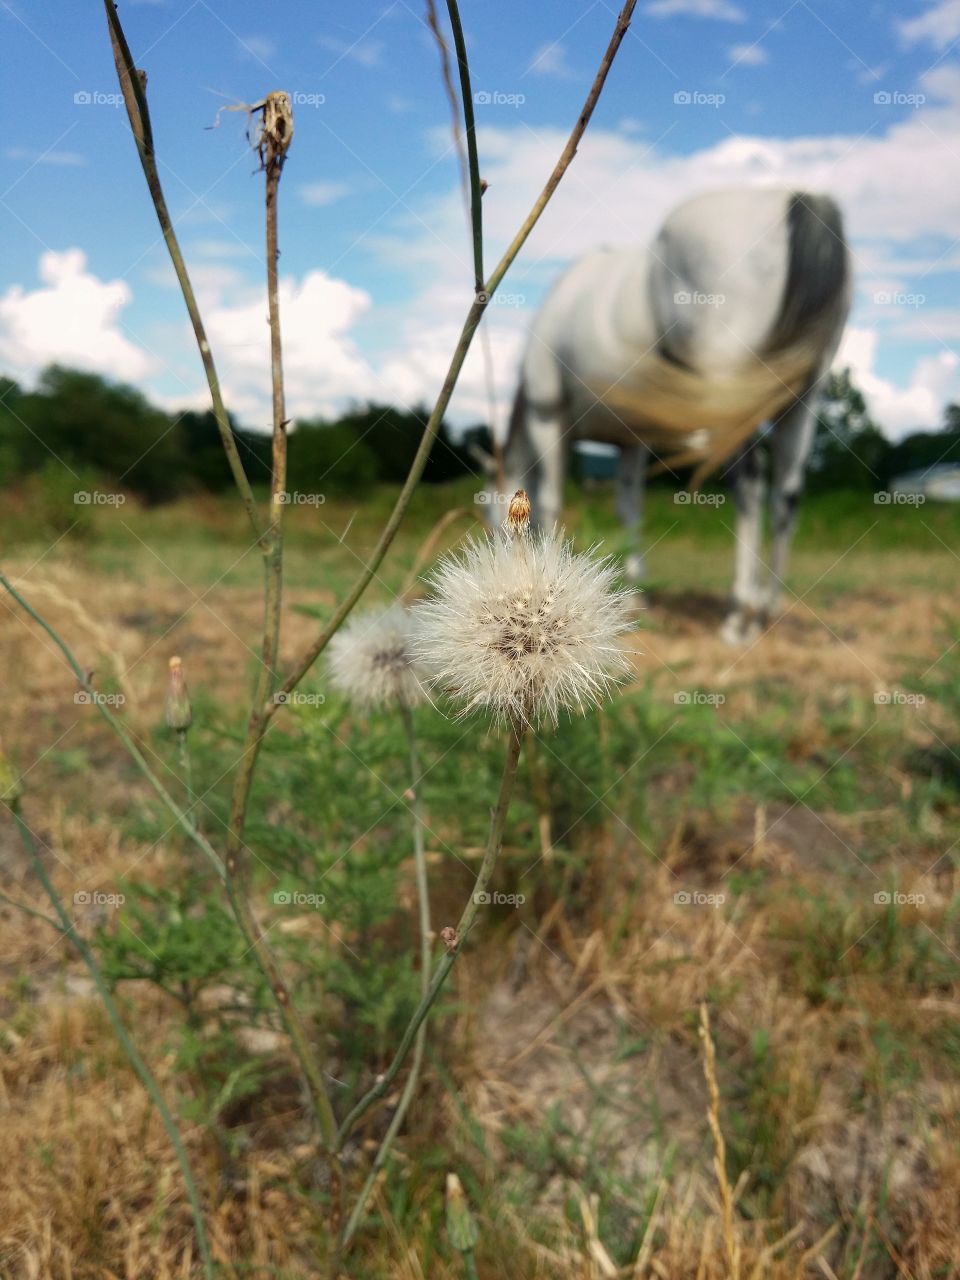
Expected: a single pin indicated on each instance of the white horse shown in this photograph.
(727, 321)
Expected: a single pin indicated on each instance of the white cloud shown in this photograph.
(68, 159)
(551, 60)
(260, 47)
(899, 410)
(73, 318)
(321, 362)
(323, 193)
(366, 53)
(939, 25)
(747, 55)
(723, 10)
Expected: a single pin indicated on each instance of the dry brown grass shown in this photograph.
(871, 1181)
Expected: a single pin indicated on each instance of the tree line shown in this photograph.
(112, 433)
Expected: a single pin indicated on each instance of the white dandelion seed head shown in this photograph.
(526, 628)
(372, 662)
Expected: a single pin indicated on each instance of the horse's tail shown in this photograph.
(816, 290)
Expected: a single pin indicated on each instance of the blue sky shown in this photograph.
(860, 100)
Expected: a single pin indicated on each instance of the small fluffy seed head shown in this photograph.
(371, 660)
(525, 627)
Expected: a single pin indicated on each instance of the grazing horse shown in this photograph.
(727, 321)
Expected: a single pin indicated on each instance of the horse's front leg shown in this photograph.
(631, 484)
(748, 614)
(546, 427)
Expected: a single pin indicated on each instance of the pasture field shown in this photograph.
(772, 831)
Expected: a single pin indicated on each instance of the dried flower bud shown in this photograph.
(518, 514)
(462, 1231)
(178, 714)
(450, 937)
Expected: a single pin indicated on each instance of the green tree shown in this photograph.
(849, 450)
(85, 421)
(329, 458)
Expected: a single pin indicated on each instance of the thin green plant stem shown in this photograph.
(484, 875)
(470, 129)
(423, 904)
(274, 142)
(120, 730)
(133, 88)
(186, 772)
(134, 1056)
(470, 325)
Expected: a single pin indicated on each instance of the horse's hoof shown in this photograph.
(741, 629)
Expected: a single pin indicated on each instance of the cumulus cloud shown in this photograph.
(939, 25)
(551, 60)
(323, 193)
(322, 364)
(73, 318)
(748, 55)
(720, 9)
(365, 53)
(900, 410)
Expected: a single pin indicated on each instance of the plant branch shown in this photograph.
(133, 87)
(31, 911)
(470, 325)
(274, 142)
(490, 856)
(147, 1078)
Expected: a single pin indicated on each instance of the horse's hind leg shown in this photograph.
(746, 618)
(631, 482)
(791, 442)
